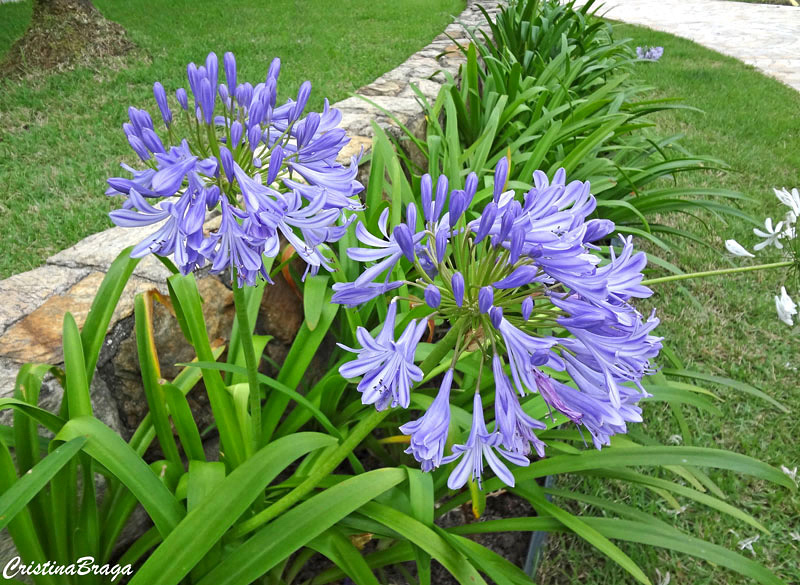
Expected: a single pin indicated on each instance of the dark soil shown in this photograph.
(65, 34)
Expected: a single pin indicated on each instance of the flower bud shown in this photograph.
(257, 112)
(527, 308)
(212, 70)
(487, 221)
(161, 100)
(138, 147)
(517, 241)
(275, 162)
(207, 100)
(152, 141)
(458, 203)
(432, 296)
(244, 94)
(426, 195)
(226, 158)
(236, 134)
(274, 69)
(471, 186)
(496, 315)
(485, 299)
(212, 197)
(441, 197)
(229, 64)
(194, 78)
(404, 239)
(505, 226)
(441, 245)
(500, 176)
(222, 90)
(302, 99)
(254, 136)
(183, 99)
(457, 282)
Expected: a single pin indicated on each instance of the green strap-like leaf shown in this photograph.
(425, 538)
(533, 493)
(205, 524)
(105, 301)
(112, 452)
(30, 484)
(338, 548)
(292, 530)
(78, 397)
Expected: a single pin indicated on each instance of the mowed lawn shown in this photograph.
(60, 134)
(753, 123)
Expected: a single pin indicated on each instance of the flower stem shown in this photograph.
(246, 340)
(329, 464)
(321, 471)
(717, 272)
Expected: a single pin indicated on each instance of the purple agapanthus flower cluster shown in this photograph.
(531, 293)
(649, 53)
(269, 169)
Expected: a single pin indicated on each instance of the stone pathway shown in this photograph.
(33, 304)
(763, 35)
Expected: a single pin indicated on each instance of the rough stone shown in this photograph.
(122, 370)
(23, 293)
(37, 337)
(98, 251)
(104, 404)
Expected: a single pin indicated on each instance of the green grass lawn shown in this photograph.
(60, 134)
(750, 121)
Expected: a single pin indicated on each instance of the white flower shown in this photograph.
(747, 543)
(795, 535)
(675, 439)
(792, 473)
(662, 579)
(772, 235)
(737, 249)
(790, 200)
(789, 230)
(785, 306)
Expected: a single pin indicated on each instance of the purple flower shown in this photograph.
(457, 283)
(481, 444)
(161, 100)
(387, 365)
(515, 426)
(485, 299)
(649, 53)
(229, 64)
(526, 308)
(183, 99)
(432, 296)
(351, 294)
(387, 252)
(254, 214)
(429, 432)
(231, 247)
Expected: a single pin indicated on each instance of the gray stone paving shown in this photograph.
(763, 35)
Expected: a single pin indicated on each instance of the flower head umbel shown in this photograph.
(526, 289)
(269, 169)
(649, 53)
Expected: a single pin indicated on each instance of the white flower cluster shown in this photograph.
(776, 235)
